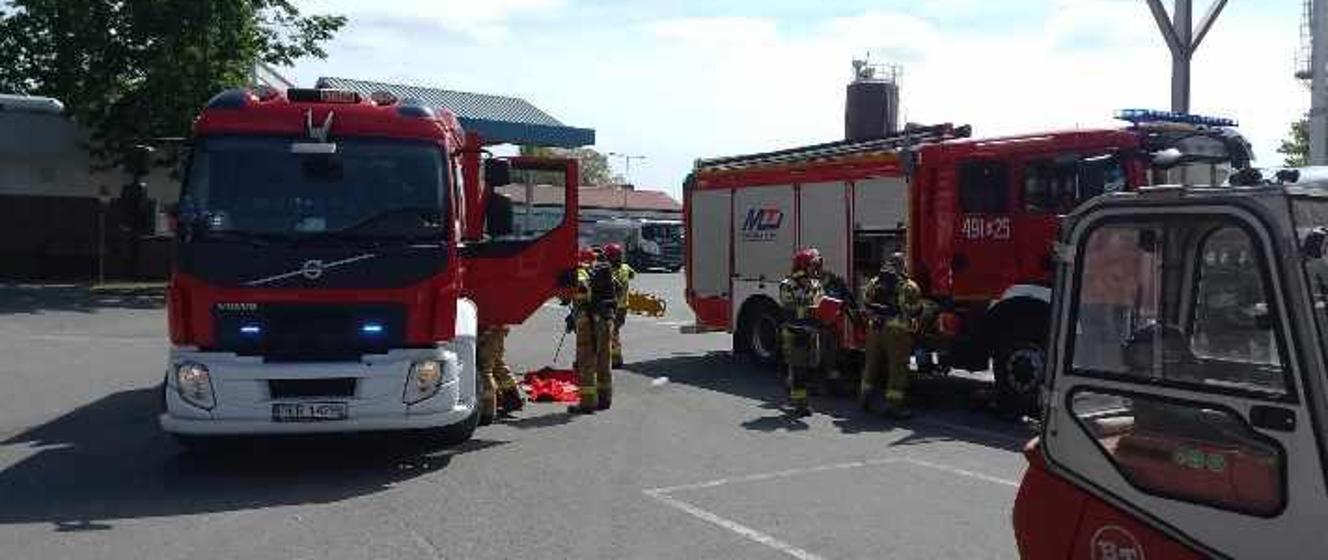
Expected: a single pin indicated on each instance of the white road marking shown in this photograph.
(663, 495)
(734, 526)
(962, 472)
(89, 338)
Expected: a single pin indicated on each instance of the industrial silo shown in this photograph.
(871, 109)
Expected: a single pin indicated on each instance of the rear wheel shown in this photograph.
(758, 332)
(1019, 365)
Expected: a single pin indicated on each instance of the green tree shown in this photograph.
(1296, 146)
(135, 70)
(593, 165)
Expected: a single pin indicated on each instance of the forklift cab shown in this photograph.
(1185, 397)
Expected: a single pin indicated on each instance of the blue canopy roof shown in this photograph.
(498, 119)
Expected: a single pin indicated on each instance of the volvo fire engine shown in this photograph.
(1186, 380)
(336, 256)
(976, 218)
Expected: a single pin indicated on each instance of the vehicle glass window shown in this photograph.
(1309, 215)
(538, 203)
(1142, 313)
(1185, 451)
(369, 186)
(984, 187)
(1058, 186)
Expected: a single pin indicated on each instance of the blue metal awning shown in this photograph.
(498, 119)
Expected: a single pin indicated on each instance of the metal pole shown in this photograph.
(1318, 125)
(1183, 39)
(1180, 61)
(101, 243)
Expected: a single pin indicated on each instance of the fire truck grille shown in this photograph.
(309, 332)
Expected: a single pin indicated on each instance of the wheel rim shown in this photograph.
(1023, 369)
(763, 340)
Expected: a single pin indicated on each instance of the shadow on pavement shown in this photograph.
(108, 460)
(948, 408)
(84, 299)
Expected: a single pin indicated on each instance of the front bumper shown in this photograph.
(244, 402)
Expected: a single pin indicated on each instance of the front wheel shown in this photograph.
(1019, 365)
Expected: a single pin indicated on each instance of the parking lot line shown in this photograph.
(733, 526)
(663, 494)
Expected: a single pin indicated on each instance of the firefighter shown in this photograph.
(594, 303)
(623, 274)
(499, 393)
(799, 294)
(893, 305)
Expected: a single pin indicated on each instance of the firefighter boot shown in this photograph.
(511, 400)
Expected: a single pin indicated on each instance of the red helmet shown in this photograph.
(613, 252)
(586, 255)
(806, 260)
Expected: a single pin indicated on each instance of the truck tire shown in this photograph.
(460, 432)
(1019, 364)
(758, 332)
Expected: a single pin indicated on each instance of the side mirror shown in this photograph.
(1313, 245)
(497, 172)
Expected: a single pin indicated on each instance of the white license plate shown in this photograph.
(309, 412)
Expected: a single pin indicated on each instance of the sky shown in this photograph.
(683, 79)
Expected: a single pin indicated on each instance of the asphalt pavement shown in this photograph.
(695, 460)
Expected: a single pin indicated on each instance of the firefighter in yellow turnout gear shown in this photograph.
(499, 393)
(799, 294)
(595, 302)
(623, 274)
(894, 307)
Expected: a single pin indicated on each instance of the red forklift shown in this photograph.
(1185, 397)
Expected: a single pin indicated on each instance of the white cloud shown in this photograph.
(681, 88)
(482, 20)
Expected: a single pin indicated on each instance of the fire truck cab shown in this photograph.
(975, 217)
(1186, 388)
(337, 255)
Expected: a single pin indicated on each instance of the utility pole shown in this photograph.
(1318, 125)
(627, 164)
(1183, 39)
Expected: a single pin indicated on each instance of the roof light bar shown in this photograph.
(1141, 116)
(322, 95)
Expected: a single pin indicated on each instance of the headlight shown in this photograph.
(425, 379)
(195, 385)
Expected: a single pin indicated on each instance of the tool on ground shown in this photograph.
(648, 305)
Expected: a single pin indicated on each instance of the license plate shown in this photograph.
(309, 412)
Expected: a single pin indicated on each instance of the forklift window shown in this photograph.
(984, 187)
(1141, 314)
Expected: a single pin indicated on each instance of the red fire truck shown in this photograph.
(1186, 398)
(976, 218)
(337, 254)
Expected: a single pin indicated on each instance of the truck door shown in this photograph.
(529, 240)
(1175, 386)
(1051, 186)
(985, 230)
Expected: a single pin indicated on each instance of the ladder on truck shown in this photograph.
(910, 136)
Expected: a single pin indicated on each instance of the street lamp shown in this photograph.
(627, 164)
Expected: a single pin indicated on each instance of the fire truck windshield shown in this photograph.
(375, 188)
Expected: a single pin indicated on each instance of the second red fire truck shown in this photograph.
(976, 218)
(337, 255)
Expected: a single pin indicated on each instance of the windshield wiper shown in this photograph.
(420, 218)
(252, 238)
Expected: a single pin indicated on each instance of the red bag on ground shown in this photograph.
(551, 385)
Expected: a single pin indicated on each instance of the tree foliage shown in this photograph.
(1296, 146)
(132, 71)
(593, 165)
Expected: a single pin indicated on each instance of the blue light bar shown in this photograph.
(1138, 116)
(251, 329)
(371, 328)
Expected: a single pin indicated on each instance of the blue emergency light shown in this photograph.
(251, 329)
(371, 328)
(1140, 116)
